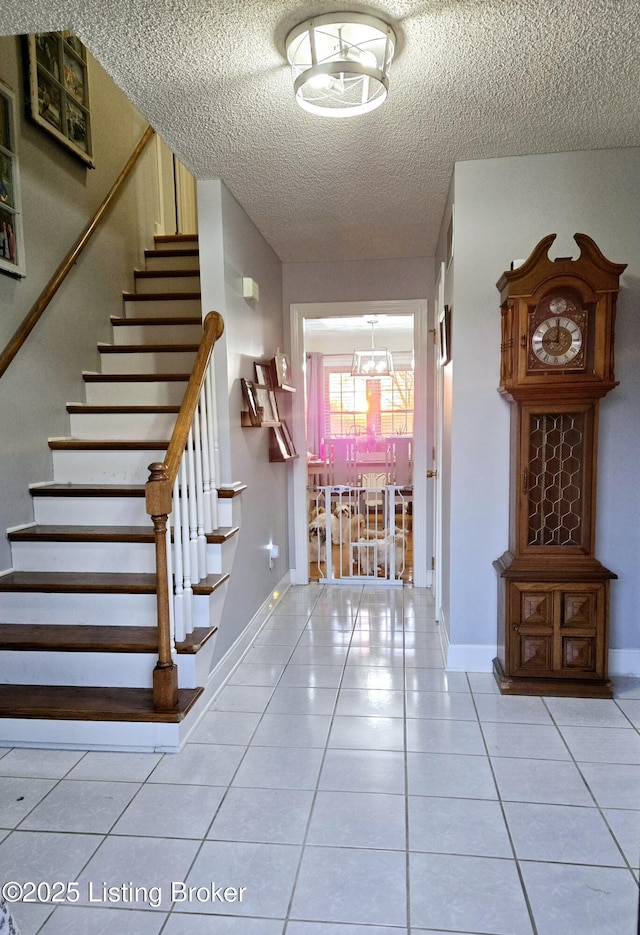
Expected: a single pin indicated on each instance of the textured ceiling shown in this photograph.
(472, 79)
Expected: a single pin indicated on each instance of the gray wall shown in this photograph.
(503, 207)
(59, 195)
(231, 247)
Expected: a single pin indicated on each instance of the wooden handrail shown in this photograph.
(158, 499)
(212, 329)
(72, 256)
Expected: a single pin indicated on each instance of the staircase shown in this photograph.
(78, 634)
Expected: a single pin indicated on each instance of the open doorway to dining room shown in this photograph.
(359, 497)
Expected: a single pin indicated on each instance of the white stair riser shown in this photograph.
(163, 308)
(113, 670)
(151, 284)
(186, 242)
(157, 334)
(88, 511)
(128, 425)
(172, 262)
(148, 362)
(104, 511)
(144, 393)
(122, 557)
(104, 467)
(136, 610)
(92, 735)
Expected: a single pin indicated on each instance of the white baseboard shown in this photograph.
(219, 676)
(624, 662)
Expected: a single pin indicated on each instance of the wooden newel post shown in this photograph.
(158, 505)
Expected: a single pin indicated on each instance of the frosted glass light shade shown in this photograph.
(372, 363)
(339, 63)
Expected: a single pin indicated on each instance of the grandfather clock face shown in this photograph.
(557, 338)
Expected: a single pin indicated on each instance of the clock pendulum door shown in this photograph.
(557, 362)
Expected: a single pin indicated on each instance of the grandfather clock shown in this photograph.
(556, 364)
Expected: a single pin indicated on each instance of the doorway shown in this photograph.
(314, 317)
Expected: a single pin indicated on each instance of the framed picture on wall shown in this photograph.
(59, 90)
(11, 235)
(444, 335)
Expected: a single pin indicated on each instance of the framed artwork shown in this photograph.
(265, 399)
(282, 371)
(450, 234)
(444, 335)
(263, 373)
(281, 444)
(250, 401)
(11, 233)
(59, 90)
(288, 439)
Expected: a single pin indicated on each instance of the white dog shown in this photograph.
(382, 554)
(350, 527)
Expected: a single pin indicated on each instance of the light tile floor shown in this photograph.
(350, 785)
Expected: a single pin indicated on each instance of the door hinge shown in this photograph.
(432, 473)
(433, 563)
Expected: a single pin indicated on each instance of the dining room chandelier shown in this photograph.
(340, 62)
(373, 362)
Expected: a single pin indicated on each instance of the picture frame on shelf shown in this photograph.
(280, 450)
(288, 440)
(265, 399)
(264, 375)
(282, 372)
(59, 90)
(250, 401)
(12, 259)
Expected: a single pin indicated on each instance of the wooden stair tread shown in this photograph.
(118, 321)
(147, 348)
(75, 582)
(107, 444)
(172, 252)
(88, 408)
(111, 490)
(88, 490)
(30, 637)
(80, 703)
(161, 296)
(165, 273)
(175, 238)
(135, 377)
(59, 533)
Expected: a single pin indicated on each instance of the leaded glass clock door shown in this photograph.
(557, 478)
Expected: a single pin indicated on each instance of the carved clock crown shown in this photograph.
(558, 319)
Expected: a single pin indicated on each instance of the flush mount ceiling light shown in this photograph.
(374, 362)
(340, 63)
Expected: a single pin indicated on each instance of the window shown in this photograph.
(374, 406)
(11, 240)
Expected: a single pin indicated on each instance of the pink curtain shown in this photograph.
(315, 404)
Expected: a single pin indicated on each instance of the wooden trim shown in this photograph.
(71, 258)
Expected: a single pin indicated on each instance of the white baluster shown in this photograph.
(214, 450)
(206, 462)
(199, 498)
(193, 511)
(178, 564)
(186, 550)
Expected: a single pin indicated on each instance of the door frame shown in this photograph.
(422, 436)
